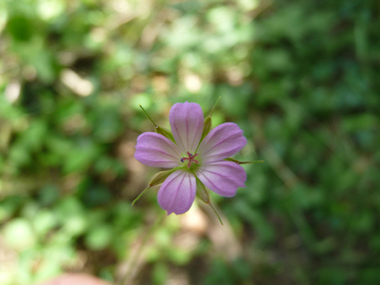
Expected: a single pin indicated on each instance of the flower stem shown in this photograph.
(134, 259)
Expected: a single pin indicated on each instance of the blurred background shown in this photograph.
(300, 77)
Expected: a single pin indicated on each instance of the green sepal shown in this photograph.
(160, 177)
(162, 131)
(156, 180)
(142, 193)
(203, 194)
(216, 213)
(208, 122)
(243, 162)
(206, 127)
(166, 133)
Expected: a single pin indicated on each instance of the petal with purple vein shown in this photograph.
(177, 193)
(155, 150)
(223, 141)
(186, 121)
(222, 177)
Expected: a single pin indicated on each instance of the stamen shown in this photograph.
(190, 159)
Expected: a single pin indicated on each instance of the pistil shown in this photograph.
(190, 159)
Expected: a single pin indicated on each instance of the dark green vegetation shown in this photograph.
(302, 78)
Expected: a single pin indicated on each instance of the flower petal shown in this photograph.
(155, 150)
(177, 193)
(222, 177)
(186, 121)
(223, 141)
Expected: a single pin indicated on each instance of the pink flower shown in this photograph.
(194, 160)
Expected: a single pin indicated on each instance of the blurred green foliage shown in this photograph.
(300, 77)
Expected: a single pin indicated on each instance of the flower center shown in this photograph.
(190, 159)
